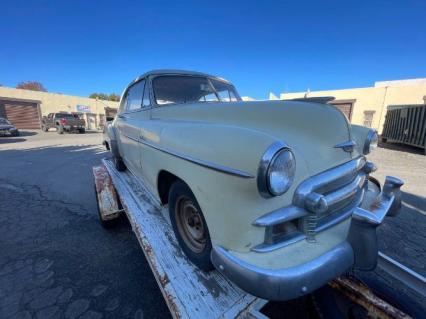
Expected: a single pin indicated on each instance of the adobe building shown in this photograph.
(368, 106)
(25, 108)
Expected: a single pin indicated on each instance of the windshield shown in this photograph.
(4, 122)
(170, 89)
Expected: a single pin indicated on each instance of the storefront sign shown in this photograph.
(83, 108)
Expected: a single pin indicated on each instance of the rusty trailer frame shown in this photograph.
(188, 291)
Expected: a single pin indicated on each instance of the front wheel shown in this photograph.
(119, 164)
(44, 128)
(81, 130)
(189, 225)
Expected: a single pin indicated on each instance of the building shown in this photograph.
(25, 108)
(367, 106)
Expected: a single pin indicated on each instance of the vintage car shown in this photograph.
(7, 128)
(276, 195)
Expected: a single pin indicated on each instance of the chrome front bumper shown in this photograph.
(359, 250)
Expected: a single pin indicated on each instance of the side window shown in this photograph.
(134, 96)
(146, 100)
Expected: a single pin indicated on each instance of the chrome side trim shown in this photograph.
(262, 171)
(347, 146)
(131, 138)
(280, 216)
(207, 164)
(288, 240)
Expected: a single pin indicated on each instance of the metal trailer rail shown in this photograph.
(188, 291)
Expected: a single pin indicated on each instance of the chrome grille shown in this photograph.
(337, 191)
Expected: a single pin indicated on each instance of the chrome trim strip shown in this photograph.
(131, 138)
(280, 215)
(207, 164)
(266, 248)
(347, 146)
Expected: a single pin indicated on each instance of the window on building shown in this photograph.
(368, 118)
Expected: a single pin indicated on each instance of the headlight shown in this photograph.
(276, 170)
(371, 142)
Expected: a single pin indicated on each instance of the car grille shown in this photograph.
(319, 202)
(339, 189)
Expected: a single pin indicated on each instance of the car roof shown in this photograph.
(176, 72)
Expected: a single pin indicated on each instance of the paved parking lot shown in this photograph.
(56, 261)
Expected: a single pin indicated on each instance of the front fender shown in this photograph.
(230, 203)
(359, 135)
(111, 132)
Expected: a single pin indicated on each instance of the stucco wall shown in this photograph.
(371, 99)
(53, 102)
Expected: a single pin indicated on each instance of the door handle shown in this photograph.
(121, 116)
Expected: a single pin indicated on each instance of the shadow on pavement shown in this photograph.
(56, 260)
(8, 140)
(400, 147)
(27, 133)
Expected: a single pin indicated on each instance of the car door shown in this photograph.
(129, 123)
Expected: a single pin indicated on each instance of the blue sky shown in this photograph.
(80, 47)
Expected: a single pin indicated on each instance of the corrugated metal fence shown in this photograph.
(406, 124)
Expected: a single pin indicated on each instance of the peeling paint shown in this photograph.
(362, 295)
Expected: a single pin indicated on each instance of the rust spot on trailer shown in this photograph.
(164, 280)
(362, 295)
(105, 193)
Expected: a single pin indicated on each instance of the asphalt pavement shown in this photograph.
(56, 261)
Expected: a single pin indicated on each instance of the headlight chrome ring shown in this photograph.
(276, 170)
(371, 141)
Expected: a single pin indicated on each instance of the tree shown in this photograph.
(114, 97)
(105, 97)
(31, 85)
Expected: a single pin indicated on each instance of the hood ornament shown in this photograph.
(347, 146)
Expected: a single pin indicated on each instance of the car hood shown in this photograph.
(312, 130)
(6, 126)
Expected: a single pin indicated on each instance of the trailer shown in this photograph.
(406, 124)
(192, 293)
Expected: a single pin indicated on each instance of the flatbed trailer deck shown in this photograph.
(188, 291)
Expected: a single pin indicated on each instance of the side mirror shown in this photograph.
(109, 118)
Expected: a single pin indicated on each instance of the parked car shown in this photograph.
(63, 122)
(7, 128)
(276, 195)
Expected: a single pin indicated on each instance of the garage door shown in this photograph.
(24, 115)
(346, 108)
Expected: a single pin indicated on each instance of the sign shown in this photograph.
(83, 108)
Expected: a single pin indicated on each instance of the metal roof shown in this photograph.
(174, 71)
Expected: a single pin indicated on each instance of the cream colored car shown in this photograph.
(276, 195)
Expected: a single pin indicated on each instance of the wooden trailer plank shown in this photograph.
(188, 291)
